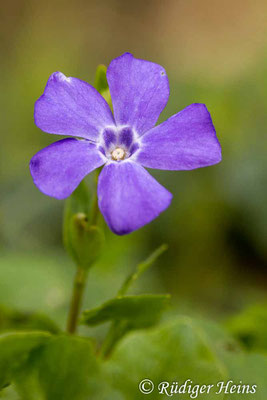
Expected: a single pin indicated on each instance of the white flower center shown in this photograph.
(118, 154)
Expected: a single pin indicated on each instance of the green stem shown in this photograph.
(116, 331)
(109, 342)
(76, 301)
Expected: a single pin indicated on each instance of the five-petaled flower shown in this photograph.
(129, 197)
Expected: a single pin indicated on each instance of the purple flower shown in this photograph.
(129, 197)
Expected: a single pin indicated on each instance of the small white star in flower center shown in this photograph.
(118, 154)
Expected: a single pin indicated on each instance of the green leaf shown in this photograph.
(71, 361)
(182, 349)
(17, 320)
(250, 327)
(66, 368)
(141, 268)
(138, 311)
(172, 352)
(15, 348)
(250, 369)
(126, 313)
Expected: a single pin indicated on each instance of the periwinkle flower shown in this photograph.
(129, 197)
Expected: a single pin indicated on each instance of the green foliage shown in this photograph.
(184, 349)
(17, 320)
(250, 327)
(136, 311)
(45, 367)
(218, 224)
(65, 366)
(126, 314)
(15, 349)
(141, 268)
(82, 240)
(175, 351)
(248, 368)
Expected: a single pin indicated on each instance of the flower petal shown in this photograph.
(129, 197)
(139, 91)
(59, 168)
(183, 142)
(72, 107)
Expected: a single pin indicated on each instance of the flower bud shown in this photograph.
(86, 240)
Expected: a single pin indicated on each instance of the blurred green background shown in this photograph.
(214, 52)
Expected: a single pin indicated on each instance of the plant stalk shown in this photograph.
(81, 275)
(76, 301)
